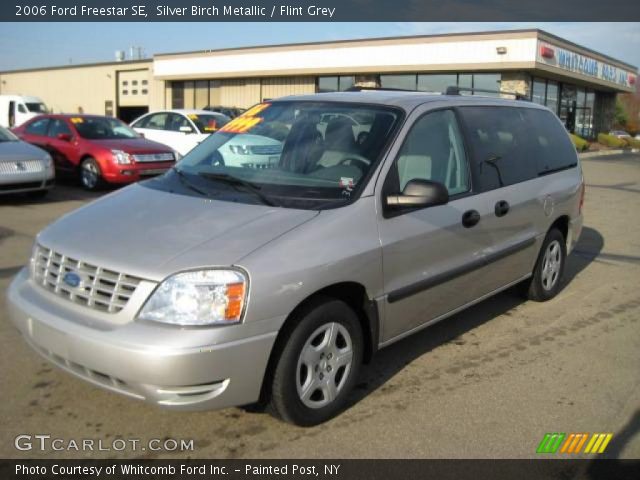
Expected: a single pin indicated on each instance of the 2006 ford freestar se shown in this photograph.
(361, 218)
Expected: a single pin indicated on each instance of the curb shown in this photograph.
(606, 153)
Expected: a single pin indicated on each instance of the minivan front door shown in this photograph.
(432, 257)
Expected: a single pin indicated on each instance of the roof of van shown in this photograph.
(26, 98)
(408, 100)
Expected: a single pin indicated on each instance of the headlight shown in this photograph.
(240, 149)
(121, 157)
(203, 297)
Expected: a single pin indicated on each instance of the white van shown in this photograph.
(17, 109)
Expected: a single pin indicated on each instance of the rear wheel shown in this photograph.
(90, 174)
(318, 365)
(547, 274)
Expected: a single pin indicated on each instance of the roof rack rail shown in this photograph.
(356, 88)
(455, 90)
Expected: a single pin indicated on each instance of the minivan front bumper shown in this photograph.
(190, 378)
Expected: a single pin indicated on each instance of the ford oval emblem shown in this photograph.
(72, 279)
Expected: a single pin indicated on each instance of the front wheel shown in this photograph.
(318, 365)
(546, 280)
(90, 174)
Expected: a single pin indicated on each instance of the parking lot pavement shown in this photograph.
(489, 382)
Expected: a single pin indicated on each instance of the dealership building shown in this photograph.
(577, 83)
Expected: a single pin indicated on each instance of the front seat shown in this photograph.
(301, 148)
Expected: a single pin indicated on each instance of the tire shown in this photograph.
(319, 363)
(546, 280)
(90, 174)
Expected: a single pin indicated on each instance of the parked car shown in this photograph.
(231, 112)
(17, 109)
(619, 134)
(98, 149)
(23, 167)
(180, 129)
(218, 285)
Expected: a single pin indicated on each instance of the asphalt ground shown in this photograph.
(486, 383)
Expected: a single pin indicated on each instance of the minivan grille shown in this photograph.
(153, 157)
(21, 166)
(97, 287)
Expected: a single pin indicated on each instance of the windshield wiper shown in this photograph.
(184, 181)
(239, 182)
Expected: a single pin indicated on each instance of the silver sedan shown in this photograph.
(23, 167)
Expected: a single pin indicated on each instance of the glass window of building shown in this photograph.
(401, 82)
(465, 80)
(538, 92)
(335, 83)
(487, 81)
(327, 84)
(552, 96)
(436, 82)
(346, 82)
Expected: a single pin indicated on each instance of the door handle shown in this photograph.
(470, 218)
(502, 208)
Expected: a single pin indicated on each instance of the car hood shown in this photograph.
(132, 145)
(16, 151)
(151, 234)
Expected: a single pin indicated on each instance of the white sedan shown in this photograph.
(179, 129)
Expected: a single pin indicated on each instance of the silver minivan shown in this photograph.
(379, 214)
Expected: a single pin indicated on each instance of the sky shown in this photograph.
(31, 45)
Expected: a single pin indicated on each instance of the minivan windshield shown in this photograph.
(299, 154)
(102, 128)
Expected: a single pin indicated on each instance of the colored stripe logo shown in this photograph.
(574, 443)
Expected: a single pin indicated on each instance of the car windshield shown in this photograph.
(298, 154)
(102, 128)
(36, 107)
(7, 136)
(207, 122)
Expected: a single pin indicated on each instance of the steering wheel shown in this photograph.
(359, 162)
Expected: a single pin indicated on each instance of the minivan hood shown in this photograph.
(132, 145)
(151, 234)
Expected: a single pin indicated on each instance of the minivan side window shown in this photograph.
(550, 143)
(433, 150)
(37, 127)
(499, 138)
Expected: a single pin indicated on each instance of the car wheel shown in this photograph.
(546, 280)
(318, 365)
(90, 175)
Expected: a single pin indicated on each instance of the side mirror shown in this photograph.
(419, 193)
(186, 129)
(65, 137)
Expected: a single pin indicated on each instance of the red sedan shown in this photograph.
(99, 149)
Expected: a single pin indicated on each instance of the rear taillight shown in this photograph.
(582, 189)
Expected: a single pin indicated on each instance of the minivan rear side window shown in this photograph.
(550, 144)
(499, 141)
